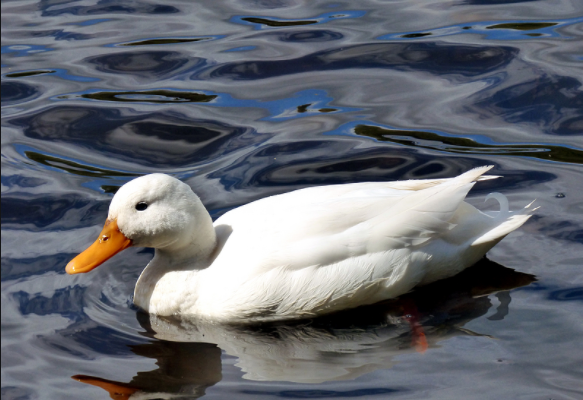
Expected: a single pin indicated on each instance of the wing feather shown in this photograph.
(320, 226)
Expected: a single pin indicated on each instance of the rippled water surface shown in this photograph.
(246, 99)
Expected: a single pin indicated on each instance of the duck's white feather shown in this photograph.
(322, 249)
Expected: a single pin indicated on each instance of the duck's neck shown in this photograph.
(193, 256)
(194, 246)
(178, 262)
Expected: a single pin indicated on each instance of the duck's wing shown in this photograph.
(420, 184)
(370, 189)
(313, 228)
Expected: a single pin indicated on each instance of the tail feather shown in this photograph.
(509, 222)
(488, 177)
(475, 174)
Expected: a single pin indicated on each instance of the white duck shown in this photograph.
(300, 254)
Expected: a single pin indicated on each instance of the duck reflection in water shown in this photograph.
(341, 346)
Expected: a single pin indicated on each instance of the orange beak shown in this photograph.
(111, 241)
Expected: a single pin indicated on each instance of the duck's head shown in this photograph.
(150, 211)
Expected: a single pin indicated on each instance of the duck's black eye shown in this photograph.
(141, 206)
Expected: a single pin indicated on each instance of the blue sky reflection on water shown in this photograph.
(244, 100)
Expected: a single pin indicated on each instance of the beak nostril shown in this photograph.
(109, 242)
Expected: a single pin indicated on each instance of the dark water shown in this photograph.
(245, 99)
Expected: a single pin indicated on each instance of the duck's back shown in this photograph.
(322, 249)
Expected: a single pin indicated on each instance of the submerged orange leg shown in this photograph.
(418, 338)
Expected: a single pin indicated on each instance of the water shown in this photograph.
(245, 99)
